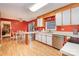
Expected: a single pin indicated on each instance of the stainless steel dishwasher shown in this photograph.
(58, 41)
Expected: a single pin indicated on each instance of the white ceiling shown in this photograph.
(21, 10)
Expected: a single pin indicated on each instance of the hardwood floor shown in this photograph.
(11, 48)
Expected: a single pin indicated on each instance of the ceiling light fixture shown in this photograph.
(37, 6)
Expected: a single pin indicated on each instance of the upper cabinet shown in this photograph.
(63, 18)
(40, 22)
(75, 16)
(59, 19)
(66, 17)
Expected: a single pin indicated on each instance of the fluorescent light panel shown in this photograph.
(37, 6)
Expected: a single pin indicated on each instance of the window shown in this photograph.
(50, 25)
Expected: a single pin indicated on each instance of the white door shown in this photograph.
(58, 19)
(40, 22)
(66, 17)
(39, 37)
(36, 37)
(75, 16)
(44, 38)
(49, 40)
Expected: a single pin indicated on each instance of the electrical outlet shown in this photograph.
(62, 29)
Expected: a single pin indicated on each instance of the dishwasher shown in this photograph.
(58, 41)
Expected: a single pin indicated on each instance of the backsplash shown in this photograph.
(40, 28)
(67, 28)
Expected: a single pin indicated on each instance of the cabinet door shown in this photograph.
(75, 16)
(36, 37)
(39, 37)
(44, 38)
(49, 40)
(59, 19)
(40, 22)
(66, 17)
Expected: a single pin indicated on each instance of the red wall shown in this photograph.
(67, 28)
(16, 25)
(31, 22)
(36, 28)
(51, 18)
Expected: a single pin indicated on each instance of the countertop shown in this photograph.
(27, 32)
(66, 34)
(70, 34)
(71, 49)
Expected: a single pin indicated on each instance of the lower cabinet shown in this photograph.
(39, 37)
(44, 39)
(52, 40)
(49, 40)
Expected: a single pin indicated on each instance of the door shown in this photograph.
(31, 29)
(75, 16)
(44, 38)
(66, 17)
(49, 40)
(36, 37)
(58, 19)
(31, 36)
(39, 37)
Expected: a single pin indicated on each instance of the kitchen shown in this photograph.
(55, 28)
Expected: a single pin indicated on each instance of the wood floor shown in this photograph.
(11, 48)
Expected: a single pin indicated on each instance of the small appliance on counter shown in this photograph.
(75, 31)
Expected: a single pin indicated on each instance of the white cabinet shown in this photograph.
(36, 37)
(66, 17)
(49, 40)
(40, 22)
(58, 18)
(39, 38)
(75, 16)
(44, 38)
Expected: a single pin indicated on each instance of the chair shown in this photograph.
(20, 36)
(23, 36)
(13, 36)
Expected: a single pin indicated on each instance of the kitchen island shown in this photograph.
(25, 36)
